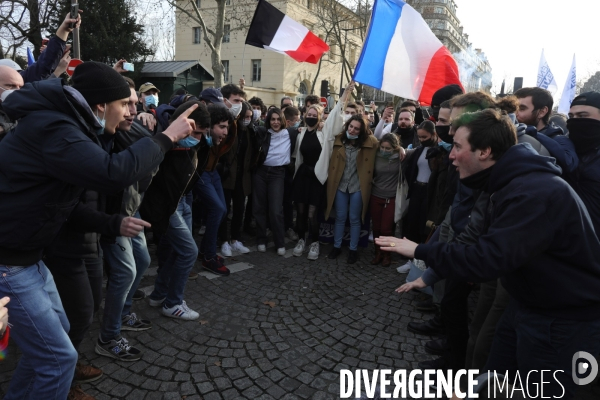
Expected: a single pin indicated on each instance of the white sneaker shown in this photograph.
(292, 234)
(371, 237)
(403, 269)
(156, 303)
(262, 248)
(226, 250)
(299, 249)
(202, 230)
(239, 247)
(281, 251)
(181, 311)
(313, 253)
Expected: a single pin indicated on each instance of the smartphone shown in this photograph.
(128, 66)
(74, 14)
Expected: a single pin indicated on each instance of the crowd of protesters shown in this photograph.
(487, 193)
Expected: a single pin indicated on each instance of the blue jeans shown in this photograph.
(177, 253)
(527, 341)
(128, 259)
(40, 327)
(344, 203)
(210, 191)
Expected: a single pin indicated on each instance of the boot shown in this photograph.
(378, 256)
(387, 259)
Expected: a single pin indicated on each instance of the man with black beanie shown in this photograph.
(47, 161)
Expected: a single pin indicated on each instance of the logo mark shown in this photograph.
(590, 366)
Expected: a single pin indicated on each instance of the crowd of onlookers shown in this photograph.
(501, 195)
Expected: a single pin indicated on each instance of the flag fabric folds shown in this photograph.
(402, 56)
(30, 59)
(545, 78)
(568, 93)
(273, 30)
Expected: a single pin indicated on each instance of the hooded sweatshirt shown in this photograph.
(538, 236)
(48, 160)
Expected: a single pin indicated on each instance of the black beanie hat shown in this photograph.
(98, 83)
(445, 93)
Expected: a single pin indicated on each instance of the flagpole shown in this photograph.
(243, 59)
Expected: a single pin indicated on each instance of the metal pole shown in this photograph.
(75, 48)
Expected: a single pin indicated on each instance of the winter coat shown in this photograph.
(365, 164)
(230, 160)
(49, 159)
(524, 241)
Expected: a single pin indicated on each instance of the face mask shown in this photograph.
(311, 121)
(584, 133)
(346, 117)
(428, 143)
(297, 124)
(446, 146)
(189, 141)
(151, 100)
(256, 115)
(351, 137)
(235, 109)
(246, 122)
(5, 94)
(102, 121)
(209, 139)
(443, 131)
(385, 124)
(385, 153)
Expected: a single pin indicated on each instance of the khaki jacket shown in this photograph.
(365, 163)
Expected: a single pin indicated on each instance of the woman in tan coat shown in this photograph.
(349, 182)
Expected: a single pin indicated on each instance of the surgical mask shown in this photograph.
(5, 94)
(351, 137)
(311, 121)
(151, 100)
(385, 153)
(189, 141)
(346, 117)
(256, 115)
(297, 124)
(385, 124)
(446, 146)
(246, 122)
(209, 139)
(235, 109)
(443, 131)
(102, 121)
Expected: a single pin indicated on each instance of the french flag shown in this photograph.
(273, 30)
(402, 56)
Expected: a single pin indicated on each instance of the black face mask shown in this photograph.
(584, 133)
(428, 143)
(479, 180)
(404, 130)
(311, 121)
(443, 131)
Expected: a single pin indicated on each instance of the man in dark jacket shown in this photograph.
(535, 108)
(530, 248)
(46, 162)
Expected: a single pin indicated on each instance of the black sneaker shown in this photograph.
(118, 349)
(426, 306)
(132, 323)
(139, 295)
(437, 347)
(334, 253)
(215, 267)
(432, 326)
(352, 256)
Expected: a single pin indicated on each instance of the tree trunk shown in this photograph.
(215, 55)
(34, 34)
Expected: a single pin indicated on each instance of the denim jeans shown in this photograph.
(267, 197)
(177, 253)
(210, 191)
(527, 341)
(347, 203)
(40, 327)
(127, 259)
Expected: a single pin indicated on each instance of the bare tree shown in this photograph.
(24, 20)
(238, 17)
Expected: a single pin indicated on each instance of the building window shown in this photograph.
(309, 4)
(256, 70)
(226, 29)
(198, 3)
(197, 35)
(228, 3)
(225, 64)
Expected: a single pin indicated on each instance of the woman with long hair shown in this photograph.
(383, 193)
(349, 184)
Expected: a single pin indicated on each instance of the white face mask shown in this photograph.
(235, 108)
(346, 117)
(102, 121)
(256, 115)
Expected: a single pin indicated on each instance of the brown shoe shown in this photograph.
(378, 256)
(76, 393)
(86, 373)
(387, 259)
(193, 275)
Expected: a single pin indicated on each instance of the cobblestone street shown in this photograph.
(276, 328)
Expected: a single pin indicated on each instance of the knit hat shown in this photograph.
(445, 93)
(98, 83)
(587, 99)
